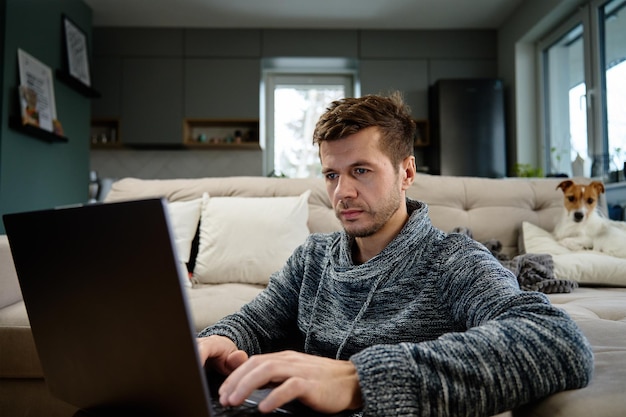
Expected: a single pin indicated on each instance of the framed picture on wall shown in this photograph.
(36, 92)
(76, 51)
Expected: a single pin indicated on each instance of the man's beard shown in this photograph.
(380, 216)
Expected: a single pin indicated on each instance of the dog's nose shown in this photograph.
(578, 216)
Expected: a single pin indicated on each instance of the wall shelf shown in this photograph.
(75, 84)
(15, 123)
(104, 134)
(233, 134)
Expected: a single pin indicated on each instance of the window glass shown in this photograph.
(613, 35)
(296, 93)
(565, 105)
(296, 111)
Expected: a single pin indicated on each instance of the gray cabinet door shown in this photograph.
(107, 79)
(222, 88)
(152, 101)
(410, 76)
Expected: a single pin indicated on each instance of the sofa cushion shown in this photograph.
(601, 315)
(184, 217)
(209, 303)
(18, 355)
(246, 239)
(585, 267)
(10, 289)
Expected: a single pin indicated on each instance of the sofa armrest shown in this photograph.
(10, 292)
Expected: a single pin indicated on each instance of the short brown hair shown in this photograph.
(390, 115)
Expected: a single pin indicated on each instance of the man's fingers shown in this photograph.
(220, 353)
(236, 359)
(323, 384)
(293, 388)
(246, 378)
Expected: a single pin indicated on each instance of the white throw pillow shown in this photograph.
(585, 267)
(246, 239)
(184, 218)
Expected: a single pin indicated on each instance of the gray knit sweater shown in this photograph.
(434, 324)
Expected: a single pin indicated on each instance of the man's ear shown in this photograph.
(408, 171)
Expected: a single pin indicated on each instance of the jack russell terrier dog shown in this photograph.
(583, 227)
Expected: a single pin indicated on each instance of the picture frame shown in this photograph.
(36, 92)
(76, 51)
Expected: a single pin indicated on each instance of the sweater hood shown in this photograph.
(410, 239)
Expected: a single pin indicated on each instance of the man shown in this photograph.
(392, 316)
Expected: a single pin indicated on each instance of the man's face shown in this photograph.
(366, 190)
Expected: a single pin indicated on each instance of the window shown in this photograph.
(583, 80)
(612, 19)
(565, 101)
(296, 93)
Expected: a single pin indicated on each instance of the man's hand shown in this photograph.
(220, 353)
(324, 384)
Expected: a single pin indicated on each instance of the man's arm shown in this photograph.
(269, 320)
(518, 348)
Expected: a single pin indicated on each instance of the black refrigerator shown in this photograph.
(467, 128)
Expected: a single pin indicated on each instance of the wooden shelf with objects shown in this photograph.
(422, 138)
(105, 134)
(235, 134)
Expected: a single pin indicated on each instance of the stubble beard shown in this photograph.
(379, 216)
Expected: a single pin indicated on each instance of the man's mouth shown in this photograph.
(350, 214)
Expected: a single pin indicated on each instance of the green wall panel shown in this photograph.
(36, 174)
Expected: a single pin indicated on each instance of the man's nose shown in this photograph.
(345, 188)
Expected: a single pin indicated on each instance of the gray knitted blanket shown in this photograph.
(534, 271)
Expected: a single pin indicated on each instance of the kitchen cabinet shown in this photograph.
(152, 101)
(222, 88)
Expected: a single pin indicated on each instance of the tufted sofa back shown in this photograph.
(321, 215)
(490, 208)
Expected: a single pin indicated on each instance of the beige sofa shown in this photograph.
(490, 208)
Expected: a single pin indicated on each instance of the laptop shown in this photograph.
(105, 299)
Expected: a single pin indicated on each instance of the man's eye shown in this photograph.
(360, 171)
(331, 176)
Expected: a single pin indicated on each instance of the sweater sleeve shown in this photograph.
(268, 322)
(517, 348)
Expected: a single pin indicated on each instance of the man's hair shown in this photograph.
(390, 115)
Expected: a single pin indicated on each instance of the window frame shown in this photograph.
(590, 17)
(303, 71)
(581, 17)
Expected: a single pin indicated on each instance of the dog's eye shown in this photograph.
(571, 198)
(590, 201)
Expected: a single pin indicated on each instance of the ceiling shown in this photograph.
(305, 14)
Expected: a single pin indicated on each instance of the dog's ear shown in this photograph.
(564, 185)
(598, 186)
